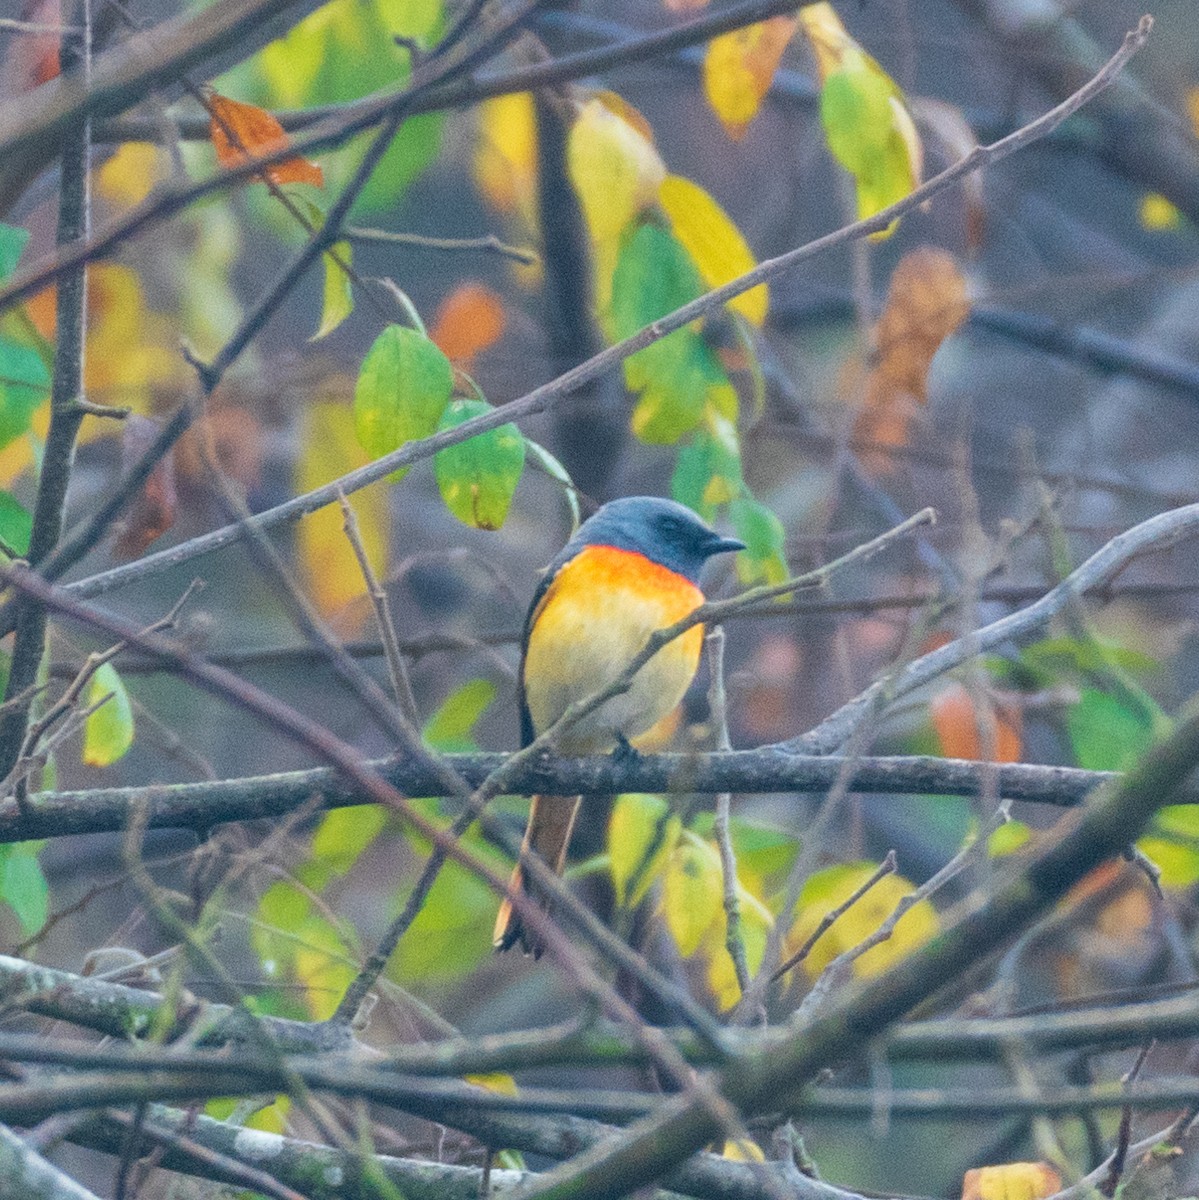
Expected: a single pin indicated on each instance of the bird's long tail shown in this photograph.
(551, 821)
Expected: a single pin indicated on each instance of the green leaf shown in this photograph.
(707, 472)
(642, 832)
(450, 728)
(403, 388)
(477, 478)
(339, 841)
(339, 292)
(1107, 734)
(1008, 838)
(108, 732)
(24, 384)
(12, 242)
(870, 132)
(759, 849)
(1177, 862)
(555, 470)
(452, 933)
(1087, 655)
(15, 523)
(282, 907)
(679, 377)
(762, 560)
(23, 887)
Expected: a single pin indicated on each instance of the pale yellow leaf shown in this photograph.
(713, 241)
(691, 893)
(616, 171)
(505, 164)
(828, 889)
(739, 67)
(330, 449)
(1011, 1181)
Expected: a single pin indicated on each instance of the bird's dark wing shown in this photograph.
(527, 732)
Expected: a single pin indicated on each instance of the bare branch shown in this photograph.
(1162, 531)
(549, 395)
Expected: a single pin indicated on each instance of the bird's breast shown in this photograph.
(598, 612)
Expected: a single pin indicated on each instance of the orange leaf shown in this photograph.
(230, 435)
(471, 318)
(956, 720)
(1011, 1181)
(927, 301)
(739, 68)
(243, 131)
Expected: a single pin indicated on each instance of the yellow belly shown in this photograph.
(597, 614)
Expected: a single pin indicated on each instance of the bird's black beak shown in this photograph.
(722, 545)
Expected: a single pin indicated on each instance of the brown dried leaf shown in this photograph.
(928, 300)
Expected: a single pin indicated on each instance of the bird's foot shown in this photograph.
(625, 752)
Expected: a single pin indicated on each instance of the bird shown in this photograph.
(631, 569)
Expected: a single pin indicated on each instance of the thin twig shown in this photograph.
(885, 868)
(401, 685)
(1119, 1158)
(734, 942)
(489, 243)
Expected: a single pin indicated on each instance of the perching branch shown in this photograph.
(203, 805)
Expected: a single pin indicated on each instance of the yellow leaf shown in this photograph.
(495, 1081)
(691, 893)
(108, 732)
(128, 359)
(505, 165)
(743, 1151)
(129, 176)
(1157, 213)
(642, 832)
(713, 241)
(338, 300)
(755, 928)
(323, 966)
(826, 35)
(739, 67)
(1011, 1181)
(616, 171)
(330, 449)
(828, 889)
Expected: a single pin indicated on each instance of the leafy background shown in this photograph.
(874, 379)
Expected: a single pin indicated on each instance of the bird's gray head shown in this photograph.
(664, 531)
